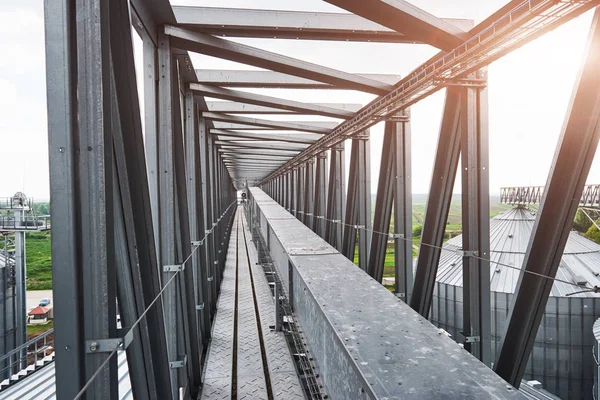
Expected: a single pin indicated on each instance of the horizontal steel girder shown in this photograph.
(221, 48)
(281, 137)
(329, 125)
(404, 17)
(262, 145)
(301, 127)
(231, 107)
(268, 101)
(262, 152)
(293, 25)
(273, 80)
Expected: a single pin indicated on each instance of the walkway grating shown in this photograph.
(256, 343)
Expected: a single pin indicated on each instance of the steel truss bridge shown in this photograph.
(148, 217)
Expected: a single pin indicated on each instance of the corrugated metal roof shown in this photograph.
(42, 383)
(509, 237)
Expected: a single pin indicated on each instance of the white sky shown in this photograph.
(528, 91)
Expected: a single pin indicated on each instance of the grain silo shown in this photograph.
(562, 358)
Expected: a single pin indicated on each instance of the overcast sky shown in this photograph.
(528, 91)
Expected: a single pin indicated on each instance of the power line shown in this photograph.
(357, 227)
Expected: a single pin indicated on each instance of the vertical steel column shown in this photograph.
(167, 205)
(364, 200)
(293, 192)
(205, 271)
(383, 203)
(438, 203)
(574, 155)
(209, 198)
(403, 261)
(20, 302)
(351, 217)
(476, 220)
(189, 344)
(150, 77)
(300, 205)
(320, 195)
(309, 190)
(81, 187)
(138, 276)
(194, 186)
(336, 198)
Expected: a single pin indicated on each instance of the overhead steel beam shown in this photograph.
(280, 137)
(438, 203)
(404, 17)
(265, 152)
(570, 167)
(230, 156)
(273, 80)
(231, 107)
(226, 49)
(292, 25)
(264, 123)
(245, 127)
(268, 101)
(476, 220)
(261, 145)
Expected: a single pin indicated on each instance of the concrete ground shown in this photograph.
(34, 297)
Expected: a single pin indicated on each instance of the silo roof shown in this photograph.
(509, 236)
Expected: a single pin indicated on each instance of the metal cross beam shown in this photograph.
(325, 125)
(230, 107)
(226, 49)
(280, 137)
(293, 25)
(260, 145)
(274, 80)
(301, 127)
(268, 101)
(404, 17)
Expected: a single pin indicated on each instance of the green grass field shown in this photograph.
(36, 330)
(39, 261)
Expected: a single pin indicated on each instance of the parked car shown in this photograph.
(45, 302)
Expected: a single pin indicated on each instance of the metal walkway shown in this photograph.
(246, 357)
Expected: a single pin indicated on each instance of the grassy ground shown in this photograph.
(36, 330)
(39, 261)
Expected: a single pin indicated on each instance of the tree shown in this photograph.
(593, 233)
(417, 230)
(581, 223)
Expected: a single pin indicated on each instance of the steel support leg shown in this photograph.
(137, 270)
(320, 195)
(194, 186)
(383, 204)
(403, 261)
(309, 190)
(364, 201)
(351, 216)
(81, 187)
(167, 205)
(476, 220)
(300, 205)
(438, 203)
(336, 197)
(573, 158)
(206, 250)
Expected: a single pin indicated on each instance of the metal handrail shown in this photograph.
(25, 345)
